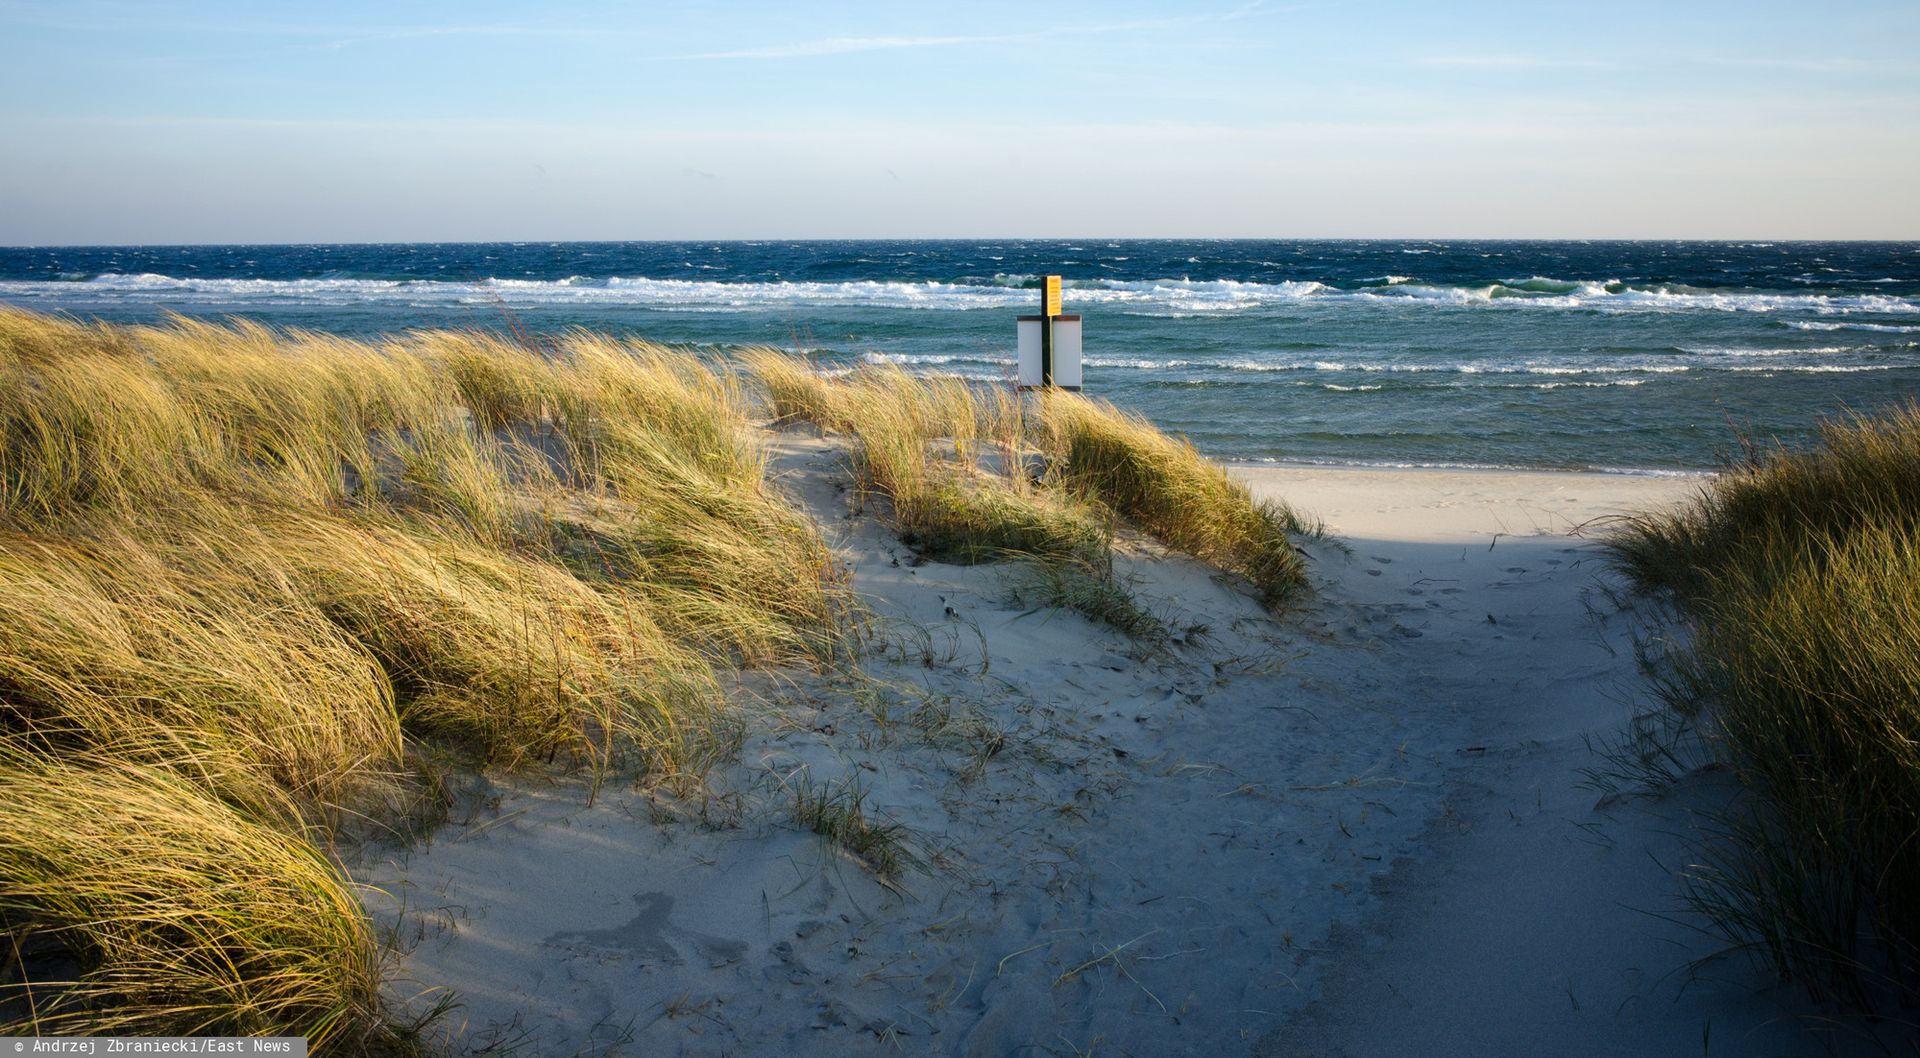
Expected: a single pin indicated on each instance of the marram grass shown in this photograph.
(1161, 484)
(1799, 575)
(135, 903)
(112, 641)
(972, 473)
(250, 580)
(254, 574)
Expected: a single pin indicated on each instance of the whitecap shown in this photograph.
(1850, 325)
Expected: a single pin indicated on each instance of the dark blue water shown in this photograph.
(1643, 355)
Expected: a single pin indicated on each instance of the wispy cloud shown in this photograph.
(377, 36)
(806, 49)
(1813, 65)
(845, 46)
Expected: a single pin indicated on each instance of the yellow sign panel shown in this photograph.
(1051, 296)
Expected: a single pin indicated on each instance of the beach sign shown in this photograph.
(1049, 344)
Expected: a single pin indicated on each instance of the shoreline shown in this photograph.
(1661, 473)
(1415, 504)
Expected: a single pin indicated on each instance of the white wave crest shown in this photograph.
(1174, 297)
(931, 359)
(1882, 328)
(1812, 350)
(1496, 368)
(1814, 369)
(1571, 385)
(1136, 364)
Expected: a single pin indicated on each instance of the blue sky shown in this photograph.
(346, 121)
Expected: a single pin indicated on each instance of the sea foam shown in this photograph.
(1167, 296)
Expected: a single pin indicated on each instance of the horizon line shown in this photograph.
(972, 238)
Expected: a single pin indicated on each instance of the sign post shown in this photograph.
(1049, 343)
(1049, 308)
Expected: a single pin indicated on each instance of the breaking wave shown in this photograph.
(1170, 296)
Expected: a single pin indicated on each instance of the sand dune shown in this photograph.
(1356, 830)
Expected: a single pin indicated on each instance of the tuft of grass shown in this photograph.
(796, 392)
(1092, 592)
(1796, 574)
(82, 422)
(113, 642)
(918, 445)
(970, 521)
(972, 474)
(266, 573)
(135, 904)
(838, 813)
(1864, 473)
(511, 658)
(1166, 487)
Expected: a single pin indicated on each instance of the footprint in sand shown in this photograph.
(646, 937)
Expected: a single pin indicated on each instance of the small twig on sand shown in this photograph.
(1110, 953)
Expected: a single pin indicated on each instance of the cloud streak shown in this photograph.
(1813, 65)
(807, 49)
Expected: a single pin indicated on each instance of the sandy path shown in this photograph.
(1538, 917)
(1358, 831)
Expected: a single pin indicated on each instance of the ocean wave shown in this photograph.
(1639, 369)
(1813, 350)
(932, 359)
(1134, 363)
(986, 365)
(1168, 297)
(1615, 296)
(1544, 285)
(1815, 369)
(1565, 385)
(1849, 325)
(1264, 366)
(1595, 369)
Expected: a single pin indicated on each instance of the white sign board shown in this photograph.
(1066, 351)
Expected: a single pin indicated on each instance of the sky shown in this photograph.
(149, 121)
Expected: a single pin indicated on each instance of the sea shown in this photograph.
(1631, 357)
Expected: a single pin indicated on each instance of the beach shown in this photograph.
(593, 697)
(1361, 829)
(1246, 529)
(708, 697)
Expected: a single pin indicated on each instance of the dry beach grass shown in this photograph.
(265, 595)
(292, 575)
(259, 590)
(1797, 575)
(1047, 480)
